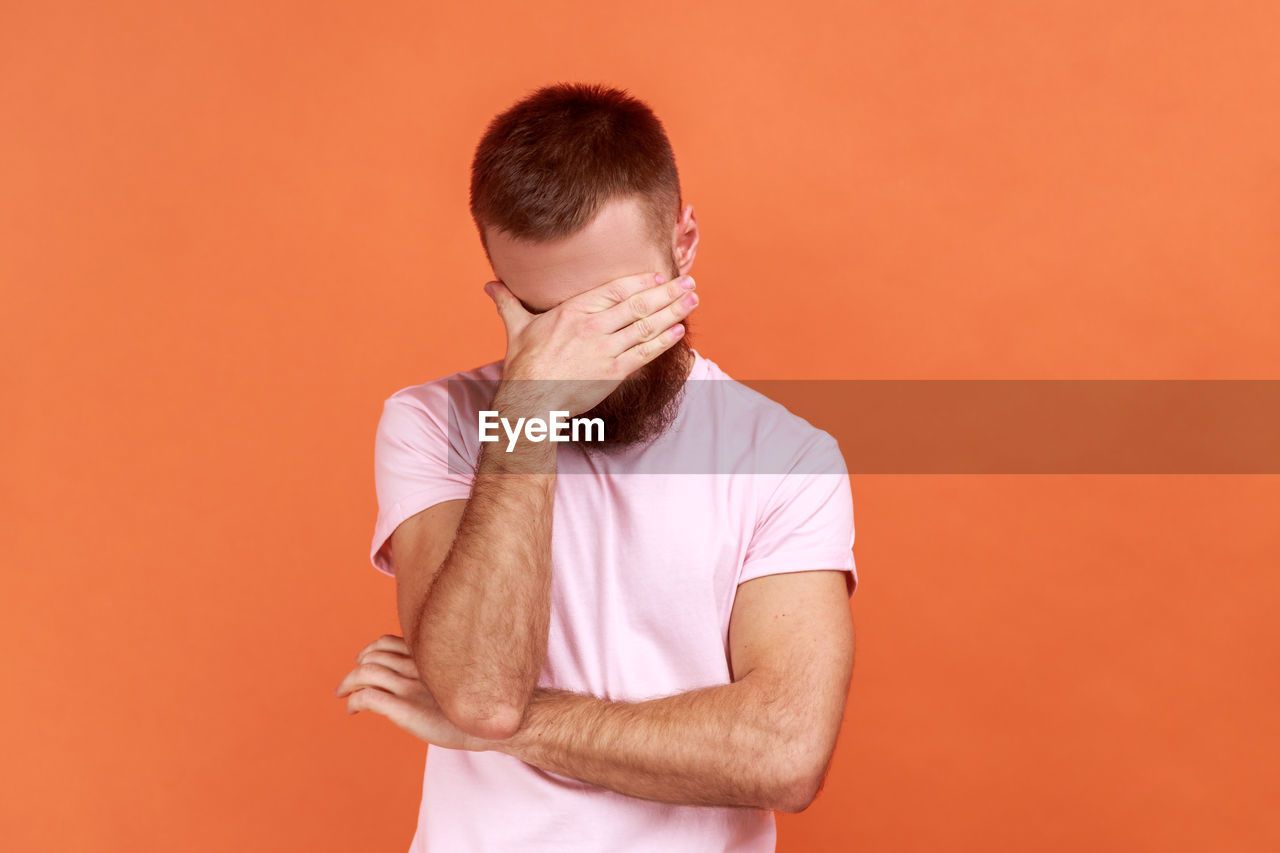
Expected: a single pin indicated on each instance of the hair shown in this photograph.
(547, 164)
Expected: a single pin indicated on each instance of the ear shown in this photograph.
(684, 239)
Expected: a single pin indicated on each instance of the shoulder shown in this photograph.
(781, 440)
(428, 409)
(435, 397)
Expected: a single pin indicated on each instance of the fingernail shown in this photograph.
(659, 277)
(688, 283)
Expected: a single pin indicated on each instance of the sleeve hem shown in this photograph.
(400, 511)
(761, 568)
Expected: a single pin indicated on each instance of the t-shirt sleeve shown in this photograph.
(806, 520)
(411, 464)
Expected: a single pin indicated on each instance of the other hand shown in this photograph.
(386, 681)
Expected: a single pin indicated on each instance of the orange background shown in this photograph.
(231, 229)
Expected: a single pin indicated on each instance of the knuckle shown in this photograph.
(644, 328)
(637, 306)
(616, 292)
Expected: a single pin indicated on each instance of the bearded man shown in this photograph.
(635, 643)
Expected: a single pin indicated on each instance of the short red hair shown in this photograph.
(546, 165)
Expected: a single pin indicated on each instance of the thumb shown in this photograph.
(513, 315)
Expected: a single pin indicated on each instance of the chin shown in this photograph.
(645, 403)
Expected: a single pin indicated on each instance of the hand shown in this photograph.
(386, 681)
(594, 340)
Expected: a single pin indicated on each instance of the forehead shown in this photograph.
(542, 275)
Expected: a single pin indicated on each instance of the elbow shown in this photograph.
(798, 796)
(489, 720)
(802, 781)
(488, 715)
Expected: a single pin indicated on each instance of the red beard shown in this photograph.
(645, 403)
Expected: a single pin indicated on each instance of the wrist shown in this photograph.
(480, 744)
(520, 456)
(523, 398)
(516, 431)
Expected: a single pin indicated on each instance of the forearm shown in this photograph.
(715, 746)
(482, 636)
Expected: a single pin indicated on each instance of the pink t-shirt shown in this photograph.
(645, 567)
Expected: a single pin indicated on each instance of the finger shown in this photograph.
(513, 315)
(610, 293)
(399, 663)
(395, 708)
(647, 328)
(372, 699)
(644, 303)
(646, 351)
(403, 713)
(374, 675)
(394, 642)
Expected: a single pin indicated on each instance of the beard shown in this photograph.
(645, 403)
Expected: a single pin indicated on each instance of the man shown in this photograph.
(611, 645)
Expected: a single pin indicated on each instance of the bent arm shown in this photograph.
(727, 745)
(475, 617)
(764, 741)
